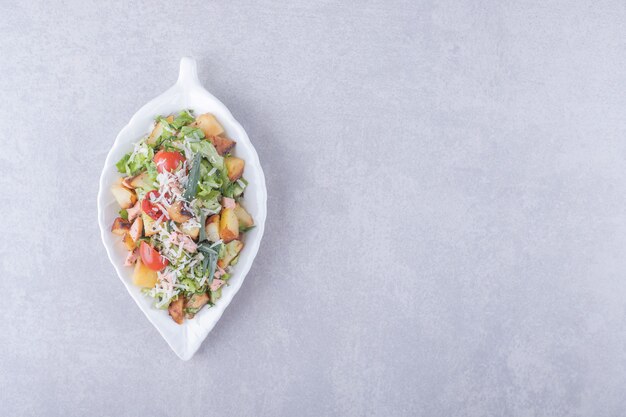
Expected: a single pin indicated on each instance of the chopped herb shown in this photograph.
(209, 263)
(194, 177)
(202, 227)
(124, 214)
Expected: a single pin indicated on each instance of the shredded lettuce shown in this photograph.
(209, 201)
(121, 164)
(140, 161)
(191, 132)
(191, 284)
(214, 180)
(152, 171)
(234, 189)
(209, 185)
(207, 193)
(207, 150)
(166, 125)
(134, 162)
(183, 119)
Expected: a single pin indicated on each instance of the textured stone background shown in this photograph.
(446, 232)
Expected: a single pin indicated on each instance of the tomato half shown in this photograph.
(151, 257)
(168, 161)
(148, 207)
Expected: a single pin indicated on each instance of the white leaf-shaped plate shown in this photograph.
(187, 93)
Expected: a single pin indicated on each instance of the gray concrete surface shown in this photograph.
(446, 231)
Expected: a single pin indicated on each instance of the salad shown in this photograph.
(181, 216)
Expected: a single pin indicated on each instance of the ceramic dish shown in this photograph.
(187, 93)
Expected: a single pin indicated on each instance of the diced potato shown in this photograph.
(195, 303)
(144, 276)
(222, 144)
(212, 228)
(125, 197)
(157, 131)
(126, 183)
(234, 167)
(192, 232)
(120, 226)
(229, 225)
(245, 220)
(231, 251)
(176, 309)
(141, 181)
(149, 225)
(208, 124)
(129, 242)
(179, 212)
(136, 229)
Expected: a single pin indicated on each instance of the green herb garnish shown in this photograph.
(194, 177)
(202, 236)
(209, 263)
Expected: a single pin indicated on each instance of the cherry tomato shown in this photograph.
(148, 207)
(151, 257)
(168, 161)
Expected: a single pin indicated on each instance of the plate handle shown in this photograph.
(188, 73)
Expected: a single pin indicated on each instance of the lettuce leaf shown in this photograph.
(139, 161)
(121, 164)
(237, 189)
(152, 171)
(207, 150)
(134, 162)
(191, 132)
(167, 126)
(207, 199)
(214, 180)
(233, 189)
(183, 119)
